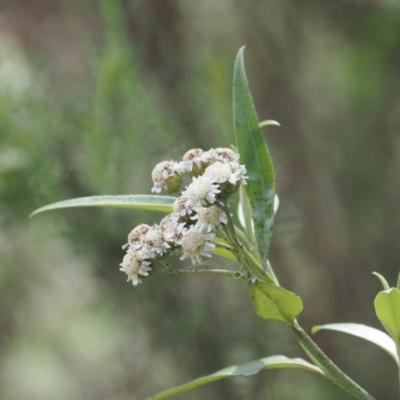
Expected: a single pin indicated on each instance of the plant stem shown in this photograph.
(256, 268)
(333, 373)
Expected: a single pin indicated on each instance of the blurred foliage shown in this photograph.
(93, 94)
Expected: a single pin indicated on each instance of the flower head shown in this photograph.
(136, 234)
(196, 244)
(228, 175)
(166, 177)
(224, 154)
(153, 243)
(220, 172)
(182, 209)
(201, 191)
(172, 230)
(194, 162)
(209, 217)
(135, 266)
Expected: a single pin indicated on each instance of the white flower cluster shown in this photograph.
(189, 230)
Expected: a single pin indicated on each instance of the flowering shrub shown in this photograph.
(199, 224)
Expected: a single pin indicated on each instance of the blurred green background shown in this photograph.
(94, 93)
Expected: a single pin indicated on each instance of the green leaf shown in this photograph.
(383, 281)
(150, 202)
(274, 302)
(249, 369)
(254, 154)
(398, 282)
(387, 308)
(373, 335)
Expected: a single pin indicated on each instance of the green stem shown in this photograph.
(333, 373)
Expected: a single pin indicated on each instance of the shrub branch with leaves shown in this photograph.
(200, 224)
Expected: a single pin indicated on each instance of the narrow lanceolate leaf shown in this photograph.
(249, 369)
(387, 308)
(274, 302)
(254, 154)
(373, 335)
(150, 202)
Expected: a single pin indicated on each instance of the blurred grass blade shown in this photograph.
(387, 308)
(249, 369)
(150, 202)
(274, 302)
(373, 335)
(254, 154)
(269, 122)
